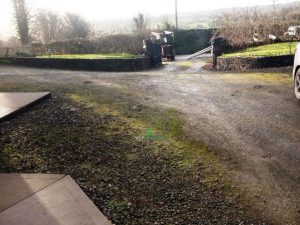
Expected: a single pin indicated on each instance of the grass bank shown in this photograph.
(93, 56)
(265, 50)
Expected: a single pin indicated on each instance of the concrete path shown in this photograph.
(13, 103)
(37, 199)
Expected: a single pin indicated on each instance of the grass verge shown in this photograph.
(185, 65)
(93, 56)
(265, 50)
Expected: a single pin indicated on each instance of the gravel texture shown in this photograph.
(132, 181)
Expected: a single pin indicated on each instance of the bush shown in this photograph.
(25, 54)
(244, 63)
(191, 41)
(127, 43)
(186, 42)
(252, 27)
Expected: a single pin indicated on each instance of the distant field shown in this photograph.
(93, 56)
(264, 50)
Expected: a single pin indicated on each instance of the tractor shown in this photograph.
(166, 39)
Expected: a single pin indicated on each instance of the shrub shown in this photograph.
(25, 54)
(252, 27)
(186, 42)
(191, 41)
(128, 43)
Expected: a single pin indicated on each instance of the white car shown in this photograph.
(296, 72)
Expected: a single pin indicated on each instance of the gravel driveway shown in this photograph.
(251, 120)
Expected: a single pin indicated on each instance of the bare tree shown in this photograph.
(166, 25)
(13, 42)
(48, 26)
(76, 26)
(22, 20)
(243, 28)
(141, 23)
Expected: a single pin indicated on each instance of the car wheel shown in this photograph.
(297, 85)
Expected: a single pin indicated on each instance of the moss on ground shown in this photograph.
(186, 65)
(97, 135)
(272, 78)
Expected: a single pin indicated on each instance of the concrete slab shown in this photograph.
(61, 203)
(13, 103)
(17, 187)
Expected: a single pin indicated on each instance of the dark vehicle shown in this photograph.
(166, 39)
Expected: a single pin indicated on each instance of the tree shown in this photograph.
(141, 23)
(167, 25)
(76, 26)
(13, 42)
(22, 20)
(252, 26)
(48, 26)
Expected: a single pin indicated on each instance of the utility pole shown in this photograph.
(176, 14)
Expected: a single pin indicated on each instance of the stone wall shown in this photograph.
(244, 63)
(86, 64)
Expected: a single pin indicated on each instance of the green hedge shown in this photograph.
(124, 43)
(244, 63)
(191, 41)
(186, 42)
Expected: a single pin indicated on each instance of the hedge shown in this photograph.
(244, 63)
(191, 41)
(186, 42)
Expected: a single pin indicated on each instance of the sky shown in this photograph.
(119, 9)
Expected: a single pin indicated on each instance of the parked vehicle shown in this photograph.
(296, 72)
(166, 39)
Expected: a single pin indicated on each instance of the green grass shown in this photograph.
(185, 65)
(93, 56)
(264, 50)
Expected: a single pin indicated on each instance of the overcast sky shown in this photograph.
(116, 9)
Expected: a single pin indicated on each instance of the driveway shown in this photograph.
(250, 120)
